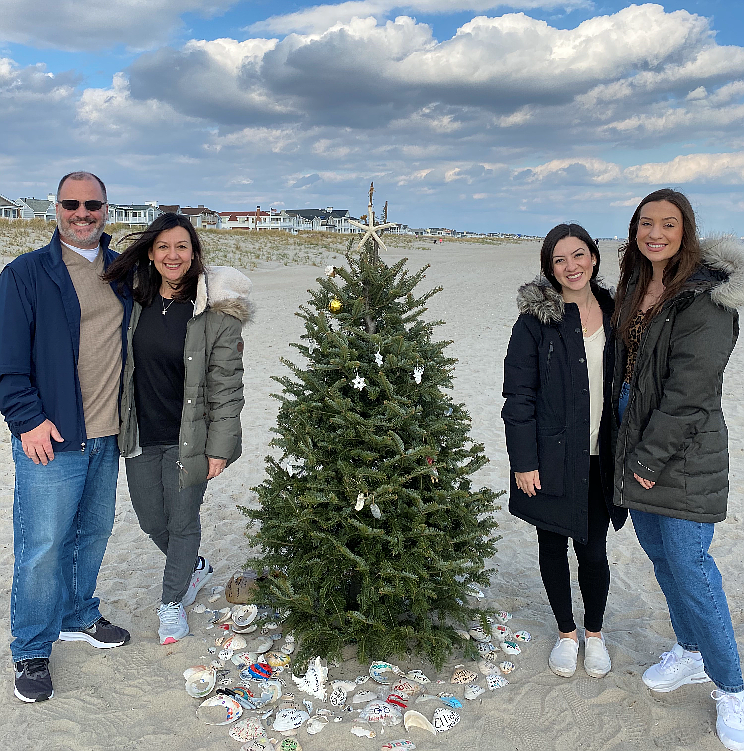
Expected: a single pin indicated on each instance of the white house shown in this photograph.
(8, 209)
(134, 214)
(322, 220)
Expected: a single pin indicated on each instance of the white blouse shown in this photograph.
(594, 346)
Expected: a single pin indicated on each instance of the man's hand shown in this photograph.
(528, 482)
(37, 443)
(648, 484)
(215, 467)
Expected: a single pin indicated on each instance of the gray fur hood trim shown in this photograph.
(539, 299)
(725, 254)
(225, 290)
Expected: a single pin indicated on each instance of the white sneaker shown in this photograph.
(202, 574)
(564, 657)
(676, 668)
(173, 623)
(597, 661)
(730, 722)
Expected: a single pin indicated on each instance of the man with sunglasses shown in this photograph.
(62, 346)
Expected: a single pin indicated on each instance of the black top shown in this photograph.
(159, 370)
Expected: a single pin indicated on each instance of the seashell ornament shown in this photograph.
(277, 659)
(337, 697)
(259, 744)
(445, 719)
(316, 724)
(402, 745)
(313, 682)
(200, 682)
(381, 672)
(485, 647)
(247, 729)
(289, 744)
(487, 667)
(417, 676)
(473, 691)
(479, 634)
(363, 732)
(414, 719)
(507, 667)
(219, 709)
(289, 718)
(362, 697)
(495, 681)
(523, 636)
(381, 711)
(461, 676)
(511, 647)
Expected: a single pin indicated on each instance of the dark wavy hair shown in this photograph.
(633, 264)
(551, 240)
(133, 268)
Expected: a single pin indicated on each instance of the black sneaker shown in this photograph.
(32, 680)
(102, 635)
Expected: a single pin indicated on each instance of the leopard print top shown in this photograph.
(635, 333)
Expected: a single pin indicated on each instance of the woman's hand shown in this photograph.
(648, 484)
(215, 467)
(528, 482)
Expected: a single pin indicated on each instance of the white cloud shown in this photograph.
(76, 25)
(690, 169)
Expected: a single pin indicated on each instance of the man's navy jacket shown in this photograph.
(40, 342)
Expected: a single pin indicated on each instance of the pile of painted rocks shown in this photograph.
(249, 684)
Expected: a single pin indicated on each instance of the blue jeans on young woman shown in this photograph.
(692, 584)
(63, 514)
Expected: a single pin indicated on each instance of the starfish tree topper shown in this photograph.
(371, 229)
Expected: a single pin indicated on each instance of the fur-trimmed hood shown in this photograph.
(226, 290)
(539, 298)
(723, 259)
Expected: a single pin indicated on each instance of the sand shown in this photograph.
(133, 697)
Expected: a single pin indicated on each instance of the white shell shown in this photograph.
(417, 676)
(235, 642)
(345, 685)
(313, 682)
(402, 745)
(226, 654)
(495, 681)
(501, 632)
(233, 710)
(289, 719)
(247, 729)
(260, 744)
(287, 648)
(479, 634)
(474, 591)
(502, 616)
(462, 634)
(445, 718)
(507, 667)
(242, 615)
(484, 647)
(405, 688)
(200, 607)
(261, 644)
(473, 691)
(381, 711)
(487, 667)
(337, 697)
(414, 719)
(277, 659)
(523, 636)
(200, 683)
(511, 648)
(363, 732)
(316, 724)
(244, 630)
(381, 672)
(363, 697)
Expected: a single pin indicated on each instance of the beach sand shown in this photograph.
(133, 697)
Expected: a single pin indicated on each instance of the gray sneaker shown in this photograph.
(676, 668)
(202, 574)
(173, 623)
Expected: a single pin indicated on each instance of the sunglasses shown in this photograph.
(70, 204)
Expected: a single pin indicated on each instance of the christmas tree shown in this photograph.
(369, 528)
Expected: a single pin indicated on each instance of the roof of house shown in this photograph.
(195, 211)
(7, 202)
(38, 205)
(170, 208)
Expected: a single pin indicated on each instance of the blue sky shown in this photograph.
(465, 113)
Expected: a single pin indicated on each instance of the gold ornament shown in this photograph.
(336, 305)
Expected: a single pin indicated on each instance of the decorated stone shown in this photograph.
(445, 719)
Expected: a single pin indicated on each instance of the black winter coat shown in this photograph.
(673, 430)
(546, 413)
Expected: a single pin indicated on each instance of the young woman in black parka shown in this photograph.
(557, 385)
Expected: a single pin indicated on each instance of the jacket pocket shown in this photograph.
(551, 452)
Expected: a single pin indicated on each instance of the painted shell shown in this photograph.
(259, 671)
(523, 636)
(289, 719)
(245, 697)
(201, 682)
(445, 719)
(511, 648)
(363, 732)
(235, 642)
(384, 672)
(461, 676)
(484, 647)
(242, 615)
(495, 681)
(219, 709)
(405, 688)
(226, 655)
(260, 744)
(289, 744)
(473, 691)
(414, 719)
(501, 632)
(417, 676)
(451, 700)
(345, 685)
(479, 634)
(316, 724)
(337, 697)
(313, 682)
(401, 745)
(262, 644)
(507, 667)
(288, 647)
(381, 711)
(363, 697)
(247, 729)
(277, 659)
(487, 667)
(245, 630)
(472, 590)
(397, 700)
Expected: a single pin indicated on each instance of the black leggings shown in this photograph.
(594, 571)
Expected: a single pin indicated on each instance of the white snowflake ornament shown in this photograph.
(359, 502)
(379, 359)
(418, 371)
(359, 383)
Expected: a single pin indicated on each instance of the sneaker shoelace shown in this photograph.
(34, 666)
(170, 613)
(731, 706)
(668, 660)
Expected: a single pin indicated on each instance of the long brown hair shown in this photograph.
(632, 262)
(134, 269)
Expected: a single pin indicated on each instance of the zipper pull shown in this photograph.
(181, 467)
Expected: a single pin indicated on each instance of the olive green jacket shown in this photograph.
(213, 382)
(673, 431)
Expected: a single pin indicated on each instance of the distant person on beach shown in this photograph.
(557, 383)
(677, 325)
(182, 396)
(62, 345)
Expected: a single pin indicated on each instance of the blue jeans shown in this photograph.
(690, 580)
(63, 514)
(622, 404)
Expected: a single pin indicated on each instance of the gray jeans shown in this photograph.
(168, 515)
